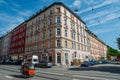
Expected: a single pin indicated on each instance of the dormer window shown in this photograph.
(57, 9)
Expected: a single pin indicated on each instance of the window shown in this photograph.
(65, 33)
(72, 45)
(58, 31)
(50, 12)
(65, 21)
(57, 19)
(44, 16)
(44, 25)
(49, 44)
(78, 46)
(50, 33)
(37, 27)
(50, 22)
(78, 37)
(72, 35)
(36, 37)
(66, 44)
(72, 26)
(30, 39)
(43, 46)
(58, 43)
(35, 47)
(31, 31)
(37, 20)
(58, 9)
(43, 35)
(65, 12)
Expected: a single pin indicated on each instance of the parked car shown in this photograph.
(104, 61)
(44, 64)
(8, 61)
(2, 61)
(85, 64)
(93, 62)
(17, 62)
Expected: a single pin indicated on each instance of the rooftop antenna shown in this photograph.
(76, 10)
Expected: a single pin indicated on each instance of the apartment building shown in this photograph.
(17, 43)
(58, 35)
(1, 47)
(97, 47)
(5, 45)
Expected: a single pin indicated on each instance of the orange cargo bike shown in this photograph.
(28, 70)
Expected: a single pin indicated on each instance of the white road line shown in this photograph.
(51, 73)
(9, 77)
(90, 77)
(75, 79)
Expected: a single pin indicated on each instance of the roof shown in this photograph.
(56, 3)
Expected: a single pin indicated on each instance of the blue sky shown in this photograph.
(102, 17)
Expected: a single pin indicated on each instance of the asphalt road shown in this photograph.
(97, 72)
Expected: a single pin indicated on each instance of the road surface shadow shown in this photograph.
(47, 77)
(17, 76)
(111, 69)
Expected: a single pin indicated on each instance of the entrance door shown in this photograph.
(66, 58)
(59, 58)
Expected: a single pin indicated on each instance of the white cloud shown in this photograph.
(100, 31)
(106, 2)
(105, 19)
(15, 4)
(92, 1)
(10, 19)
(110, 17)
(101, 13)
(76, 4)
(3, 2)
(22, 13)
(9, 22)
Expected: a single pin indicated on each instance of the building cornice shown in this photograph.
(56, 3)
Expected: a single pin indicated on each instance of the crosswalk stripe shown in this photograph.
(9, 77)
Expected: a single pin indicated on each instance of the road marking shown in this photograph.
(0, 74)
(90, 77)
(9, 77)
(51, 73)
(75, 79)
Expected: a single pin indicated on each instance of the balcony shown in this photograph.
(57, 14)
(37, 32)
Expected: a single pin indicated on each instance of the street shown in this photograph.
(96, 72)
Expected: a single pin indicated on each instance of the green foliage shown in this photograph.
(113, 52)
(118, 43)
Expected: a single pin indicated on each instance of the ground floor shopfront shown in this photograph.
(17, 56)
(61, 56)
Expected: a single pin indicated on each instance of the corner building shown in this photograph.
(57, 35)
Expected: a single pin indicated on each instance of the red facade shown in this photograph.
(18, 35)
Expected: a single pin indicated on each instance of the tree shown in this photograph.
(113, 52)
(118, 43)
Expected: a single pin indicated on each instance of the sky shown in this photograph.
(102, 17)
